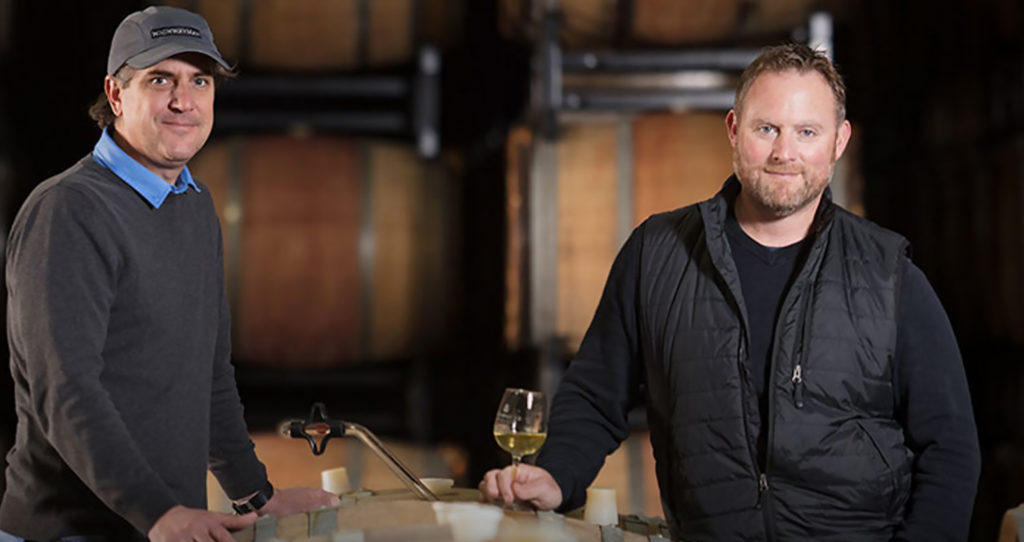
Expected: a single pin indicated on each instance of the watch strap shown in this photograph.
(256, 501)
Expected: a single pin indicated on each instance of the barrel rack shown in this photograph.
(401, 104)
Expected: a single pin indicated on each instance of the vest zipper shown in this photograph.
(763, 496)
(764, 502)
(751, 443)
(762, 477)
(802, 346)
(798, 386)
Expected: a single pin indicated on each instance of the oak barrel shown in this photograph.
(383, 518)
(319, 35)
(637, 23)
(337, 249)
(611, 175)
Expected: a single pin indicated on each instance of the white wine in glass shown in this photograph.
(521, 424)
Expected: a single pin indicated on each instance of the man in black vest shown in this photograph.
(801, 379)
(118, 322)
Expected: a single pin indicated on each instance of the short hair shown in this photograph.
(101, 112)
(799, 57)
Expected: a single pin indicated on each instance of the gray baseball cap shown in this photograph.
(156, 33)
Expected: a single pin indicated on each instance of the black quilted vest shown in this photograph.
(837, 466)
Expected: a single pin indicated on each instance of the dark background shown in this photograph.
(936, 90)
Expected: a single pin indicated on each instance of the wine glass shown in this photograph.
(521, 424)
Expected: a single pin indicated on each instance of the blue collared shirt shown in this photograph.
(149, 185)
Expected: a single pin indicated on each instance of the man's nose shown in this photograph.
(182, 98)
(783, 148)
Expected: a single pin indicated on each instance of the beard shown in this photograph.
(782, 197)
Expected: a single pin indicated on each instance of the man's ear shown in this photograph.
(730, 126)
(842, 138)
(114, 91)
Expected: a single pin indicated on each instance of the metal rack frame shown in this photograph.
(405, 105)
(551, 95)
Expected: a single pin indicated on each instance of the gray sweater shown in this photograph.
(120, 353)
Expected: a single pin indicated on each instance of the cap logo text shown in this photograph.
(175, 31)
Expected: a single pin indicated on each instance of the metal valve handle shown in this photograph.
(318, 424)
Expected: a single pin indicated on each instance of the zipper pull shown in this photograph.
(798, 387)
(762, 488)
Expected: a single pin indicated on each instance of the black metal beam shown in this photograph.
(658, 61)
(620, 100)
(377, 122)
(405, 105)
(352, 86)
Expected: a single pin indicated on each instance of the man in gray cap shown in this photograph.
(118, 326)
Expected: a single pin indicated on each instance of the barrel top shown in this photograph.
(392, 514)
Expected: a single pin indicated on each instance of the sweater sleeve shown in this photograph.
(62, 274)
(232, 454)
(935, 411)
(589, 413)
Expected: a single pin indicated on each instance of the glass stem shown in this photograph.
(515, 467)
(515, 471)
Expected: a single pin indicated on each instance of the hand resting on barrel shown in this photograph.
(188, 524)
(533, 485)
(293, 500)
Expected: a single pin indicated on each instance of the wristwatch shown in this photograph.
(255, 502)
